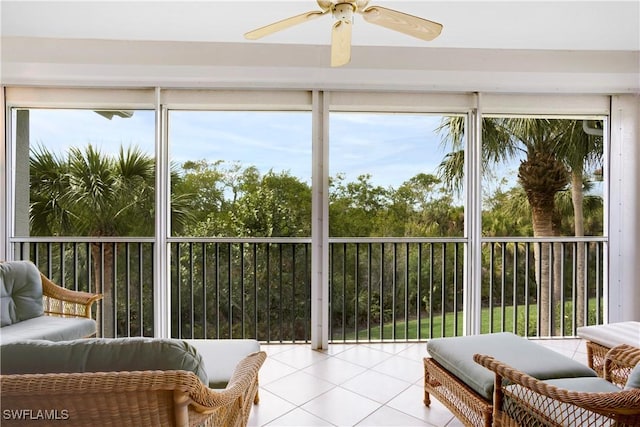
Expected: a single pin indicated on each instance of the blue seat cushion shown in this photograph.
(584, 384)
(20, 292)
(101, 355)
(634, 378)
(455, 354)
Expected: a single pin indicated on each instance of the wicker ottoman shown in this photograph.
(466, 388)
(601, 338)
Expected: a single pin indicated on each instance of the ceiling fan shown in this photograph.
(343, 11)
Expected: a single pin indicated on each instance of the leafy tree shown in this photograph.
(506, 213)
(354, 206)
(203, 182)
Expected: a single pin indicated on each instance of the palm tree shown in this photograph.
(91, 194)
(541, 175)
(582, 147)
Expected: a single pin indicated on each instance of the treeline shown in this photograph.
(263, 291)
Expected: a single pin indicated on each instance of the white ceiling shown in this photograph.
(556, 25)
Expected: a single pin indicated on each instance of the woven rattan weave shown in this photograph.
(521, 400)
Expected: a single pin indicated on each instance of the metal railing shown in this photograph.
(380, 289)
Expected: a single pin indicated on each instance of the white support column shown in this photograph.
(4, 197)
(15, 179)
(473, 222)
(320, 222)
(624, 206)
(21, 175)
(161, 272)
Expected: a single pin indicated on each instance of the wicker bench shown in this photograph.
(602, 338)
(466, 388)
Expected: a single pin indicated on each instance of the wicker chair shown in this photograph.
(34, 307)
(62, 302)
(141, 398)
(521, 400)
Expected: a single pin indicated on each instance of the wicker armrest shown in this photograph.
(619, 362)
(66, 302)
(243, 380)
(622, 405)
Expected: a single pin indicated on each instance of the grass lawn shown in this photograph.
(435, 328)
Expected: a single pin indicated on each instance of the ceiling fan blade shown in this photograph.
(284, 24)
(341, 44)
(402, 22)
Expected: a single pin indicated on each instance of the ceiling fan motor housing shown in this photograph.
(344, 12)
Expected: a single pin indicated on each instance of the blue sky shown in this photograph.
(390, 147)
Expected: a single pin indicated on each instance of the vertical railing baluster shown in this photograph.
(503, 286)
(369, 274)
(597, 285)
(294, 309)
(205, 314)
(443, 286)
(382, 270)
(586, 283)
(406, 292)
(280, 294)
(242, 290)
(356, 276)
(344, 292)
(230, 289)
(178, 286)
(527, 261)
(515, 288)
(268, 264)
(456, 284)
(114, 288)
(538, 289)
(394, 263)
(419, 293)
(255, 291)
(431, 278)
(191, 294)
(307, 275)
(574, 287)
(76, 281)
(49, 259)
(561, 286)
(587, 256)
(491, 278)
(140, 288)
(127, 284)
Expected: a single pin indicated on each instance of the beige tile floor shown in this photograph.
(356, 385)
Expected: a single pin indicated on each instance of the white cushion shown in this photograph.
(221, 356)
(612, 334)
(51, 328)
